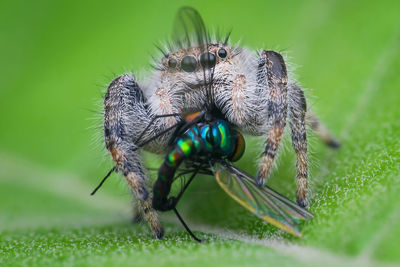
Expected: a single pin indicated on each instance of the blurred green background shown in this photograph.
(59, 56)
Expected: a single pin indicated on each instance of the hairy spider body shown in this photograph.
(250, 89)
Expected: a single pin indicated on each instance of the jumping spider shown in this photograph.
(251, 89)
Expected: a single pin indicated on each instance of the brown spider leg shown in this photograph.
(125, 112)
(277, 111)
(321, 131)
(137, 211)
(297, 112)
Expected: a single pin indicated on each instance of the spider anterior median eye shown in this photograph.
(189, 64)
(222, 53)
(207, 60)
(172, 63)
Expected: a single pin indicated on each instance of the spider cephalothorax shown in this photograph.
(251, 90)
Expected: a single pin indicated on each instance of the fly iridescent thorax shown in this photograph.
(209, 136)
(213, 138)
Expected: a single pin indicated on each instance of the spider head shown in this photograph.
(195, 65)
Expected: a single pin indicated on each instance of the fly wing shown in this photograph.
(264, 202)
(190, 32)
(189, 29)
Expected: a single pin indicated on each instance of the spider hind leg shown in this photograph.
(321, 130)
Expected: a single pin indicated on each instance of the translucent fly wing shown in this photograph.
(299, 212)
(190, 32)
(189, 29)
(264, 202)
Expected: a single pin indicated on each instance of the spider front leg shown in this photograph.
(297, 113)
(126, 116)
(276, 105)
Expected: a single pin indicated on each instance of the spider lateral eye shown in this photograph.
(207, 60)
(172, 63)
(189, 64)
(222, 53)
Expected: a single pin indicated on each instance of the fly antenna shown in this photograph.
(186, 227)
(104, 179)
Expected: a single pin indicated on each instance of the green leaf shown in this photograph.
(57, 59)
